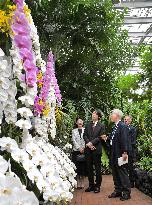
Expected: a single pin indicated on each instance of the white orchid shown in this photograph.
(3, 65)
(3, 165)
(19, 155)
(8, 144)
(12, 91)
(32, 149)
(4, 82)
(27, 100)
(47, 170)
(23, 124)
(12, 192)
(40, 160)
(3, 95)
(28, 165)
(7, 184)
(10, 117)
(23, 197)
(34, 174)
(1, 53)
(25, 112)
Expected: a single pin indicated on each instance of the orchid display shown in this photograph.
(11, 189)
(8, 91)
(29, 95)
(46, 165)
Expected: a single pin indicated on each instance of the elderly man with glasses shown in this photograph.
(119, 156)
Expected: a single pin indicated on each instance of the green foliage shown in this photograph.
(89, 47)
(146, 163)
(127, 84)
(141, 113)
(10, 130)
(146, 65)
(145, 146)
(104, 158)
(64, 128)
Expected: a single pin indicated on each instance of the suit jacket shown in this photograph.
(132, 141)
(120, 143)
(93, 136)
(78, 141)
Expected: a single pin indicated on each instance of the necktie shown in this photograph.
(113, 134)
(93, 126)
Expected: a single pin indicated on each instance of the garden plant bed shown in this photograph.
(144, 181)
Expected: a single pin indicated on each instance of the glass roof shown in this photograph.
(138, 22)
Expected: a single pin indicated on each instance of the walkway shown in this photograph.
(82, 198)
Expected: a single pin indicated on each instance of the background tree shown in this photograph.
(90, 48)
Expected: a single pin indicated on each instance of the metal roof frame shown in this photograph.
(138, 22)
(131, 21)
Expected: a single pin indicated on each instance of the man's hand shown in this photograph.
(93, 148)
(104, 137)
(125, 156)
(81, 150)
(89, 145)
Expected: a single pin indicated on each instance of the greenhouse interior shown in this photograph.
(76, 102)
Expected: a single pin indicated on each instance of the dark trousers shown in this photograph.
(94, 160)
(131, 170)
(121, 179)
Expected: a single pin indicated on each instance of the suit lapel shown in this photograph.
(117, 128)
(91, 129)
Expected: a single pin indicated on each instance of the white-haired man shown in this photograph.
(119, 148)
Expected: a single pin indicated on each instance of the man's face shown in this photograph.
(94, 116)
(127, 120)
(114, 117)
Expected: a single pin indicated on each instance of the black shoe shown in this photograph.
(96, 190)
(89, 189)
(115, 195)
(125, 197)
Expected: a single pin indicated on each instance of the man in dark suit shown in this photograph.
(119, 148)
(132, 149)
(93, 150)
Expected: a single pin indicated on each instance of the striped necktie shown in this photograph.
(113, 133)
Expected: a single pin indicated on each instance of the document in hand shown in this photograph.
(121, 161)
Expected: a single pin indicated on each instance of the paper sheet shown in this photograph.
(121, 161)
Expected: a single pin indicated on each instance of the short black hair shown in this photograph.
(99, 113)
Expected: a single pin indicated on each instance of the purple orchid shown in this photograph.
(30, 78)
(20, 29)
(20, 18)
(38, 107)
(29, 66)
(18, 2)
(23, 42)
(26, 54)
